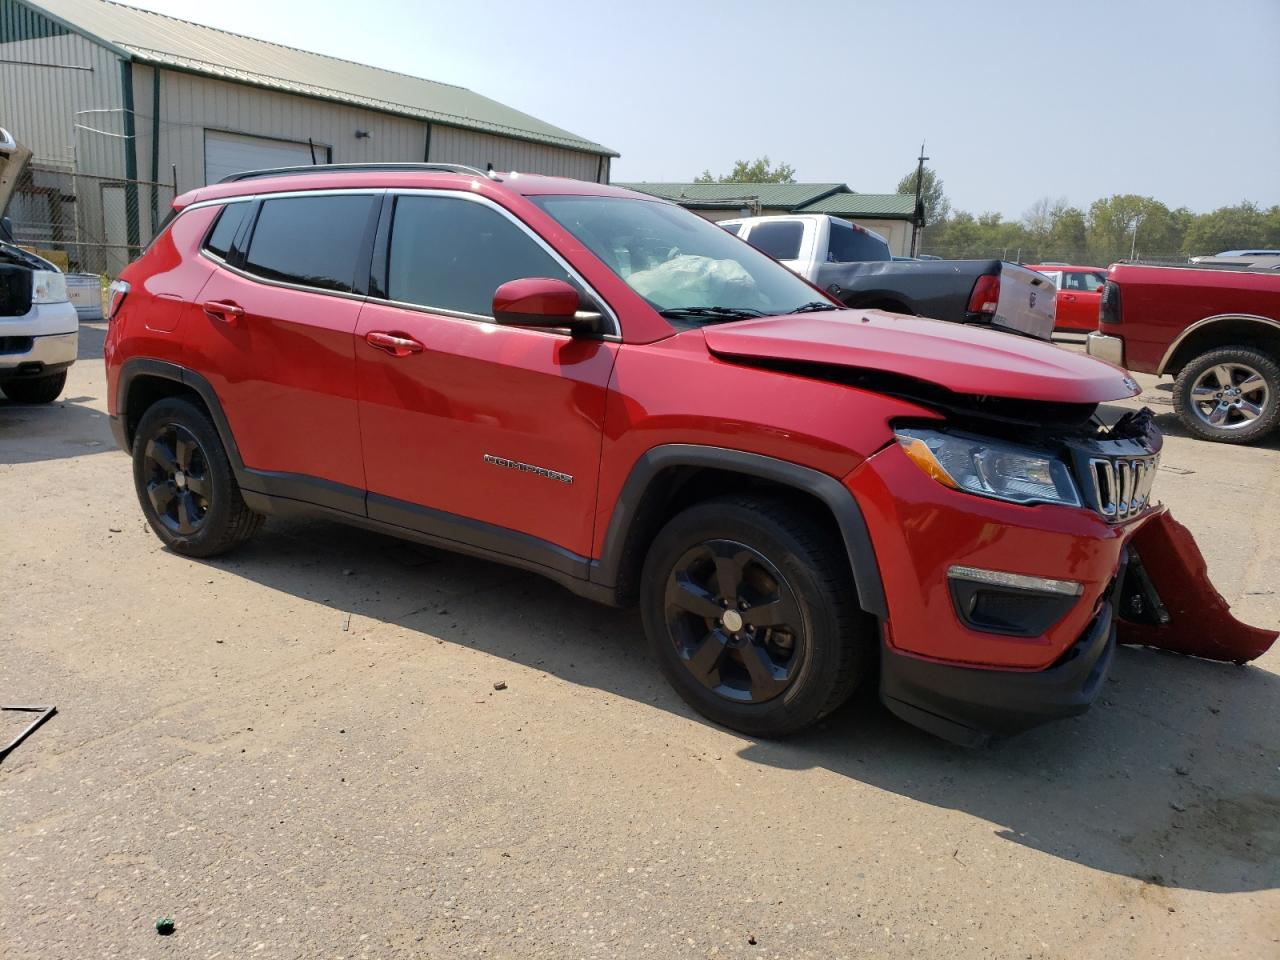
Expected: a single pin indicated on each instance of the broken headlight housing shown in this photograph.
(990, 468)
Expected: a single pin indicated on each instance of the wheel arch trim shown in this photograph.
(1205, 322)
(825, 488)
(136, 367)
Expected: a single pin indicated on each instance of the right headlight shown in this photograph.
(990, 468)
(48, 286)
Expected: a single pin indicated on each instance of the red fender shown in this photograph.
(1199, 620)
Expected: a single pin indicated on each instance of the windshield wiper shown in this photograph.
(725, 313)
(813, 306)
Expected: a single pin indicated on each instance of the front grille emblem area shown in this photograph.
(528, 468)
(1122, 485)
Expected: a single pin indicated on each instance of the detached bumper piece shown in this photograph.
(970, 705)
(1171, 604)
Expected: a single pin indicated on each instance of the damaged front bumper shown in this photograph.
(1062, 588)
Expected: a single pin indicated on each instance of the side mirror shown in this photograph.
(6, 229)
(1099, 288)
(542, 302)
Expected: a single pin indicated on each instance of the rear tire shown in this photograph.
(750, 609)
(36, 389)
(1229, 395)
(185, 484)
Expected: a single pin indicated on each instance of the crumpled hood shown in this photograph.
(961, 358)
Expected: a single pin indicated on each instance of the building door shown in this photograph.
(228, 153)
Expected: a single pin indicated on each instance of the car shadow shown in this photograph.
(1171, 778)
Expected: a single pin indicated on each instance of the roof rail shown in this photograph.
(357, 168)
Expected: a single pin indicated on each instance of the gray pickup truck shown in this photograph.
(854, 265)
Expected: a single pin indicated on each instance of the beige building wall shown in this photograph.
(191, 104)
(48, 85)
(455, 145)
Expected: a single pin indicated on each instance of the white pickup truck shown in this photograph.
(39, 327)
(854, 265)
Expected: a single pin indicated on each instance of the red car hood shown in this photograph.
(963, 359)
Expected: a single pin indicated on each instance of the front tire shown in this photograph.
(36, 389)
(1229, 395)
(184, 482)
(751, 612)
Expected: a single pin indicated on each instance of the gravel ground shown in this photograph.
(299, 751)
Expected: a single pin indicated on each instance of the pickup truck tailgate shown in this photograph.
(1028, 302)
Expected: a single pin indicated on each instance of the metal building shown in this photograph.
(122, 107)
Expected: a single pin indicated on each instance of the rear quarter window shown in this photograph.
(225, 228)
(310, 241)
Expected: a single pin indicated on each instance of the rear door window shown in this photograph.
(452, 254)
(1083, 282)
(310, 241)
(780, 239)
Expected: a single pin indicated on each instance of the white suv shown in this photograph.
(39, 328)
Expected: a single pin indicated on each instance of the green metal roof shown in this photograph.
(883, 206)
(786, 196)
(169, 42)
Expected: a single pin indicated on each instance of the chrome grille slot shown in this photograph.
(1122, 485)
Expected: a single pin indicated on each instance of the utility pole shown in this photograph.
(917, 219)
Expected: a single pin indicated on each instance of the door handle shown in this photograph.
(395, 344)
(1070, 297)
(228, 311)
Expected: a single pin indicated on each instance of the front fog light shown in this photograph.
(990, 468)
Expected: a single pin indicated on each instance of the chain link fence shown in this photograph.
(83, 223)
(1028, 254)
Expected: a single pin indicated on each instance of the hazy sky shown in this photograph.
(1017, 100)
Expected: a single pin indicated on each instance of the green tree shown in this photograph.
(753, 171)
(1271, 228)
(936, 205)
(1114, 220)
(1068, 237)
(1227, 228)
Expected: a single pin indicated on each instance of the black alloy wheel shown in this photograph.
(750, 610)
(177, 484)
(185, 484)
(735, 621)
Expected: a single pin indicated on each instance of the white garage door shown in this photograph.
(228, 153)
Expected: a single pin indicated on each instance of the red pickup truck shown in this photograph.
(1216, 331)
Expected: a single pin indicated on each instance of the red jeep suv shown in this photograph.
(606, 389)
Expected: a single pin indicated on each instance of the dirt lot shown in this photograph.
(298, 751)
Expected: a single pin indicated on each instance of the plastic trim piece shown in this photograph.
(1201, 324)
(848, 516)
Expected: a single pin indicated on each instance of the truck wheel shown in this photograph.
(1231, 395)
(750, 609)
(184, 482)
(36, 389)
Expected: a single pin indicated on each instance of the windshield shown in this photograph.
(686, 267)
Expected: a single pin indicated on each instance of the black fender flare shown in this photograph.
(830, 491)
(137, 367)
